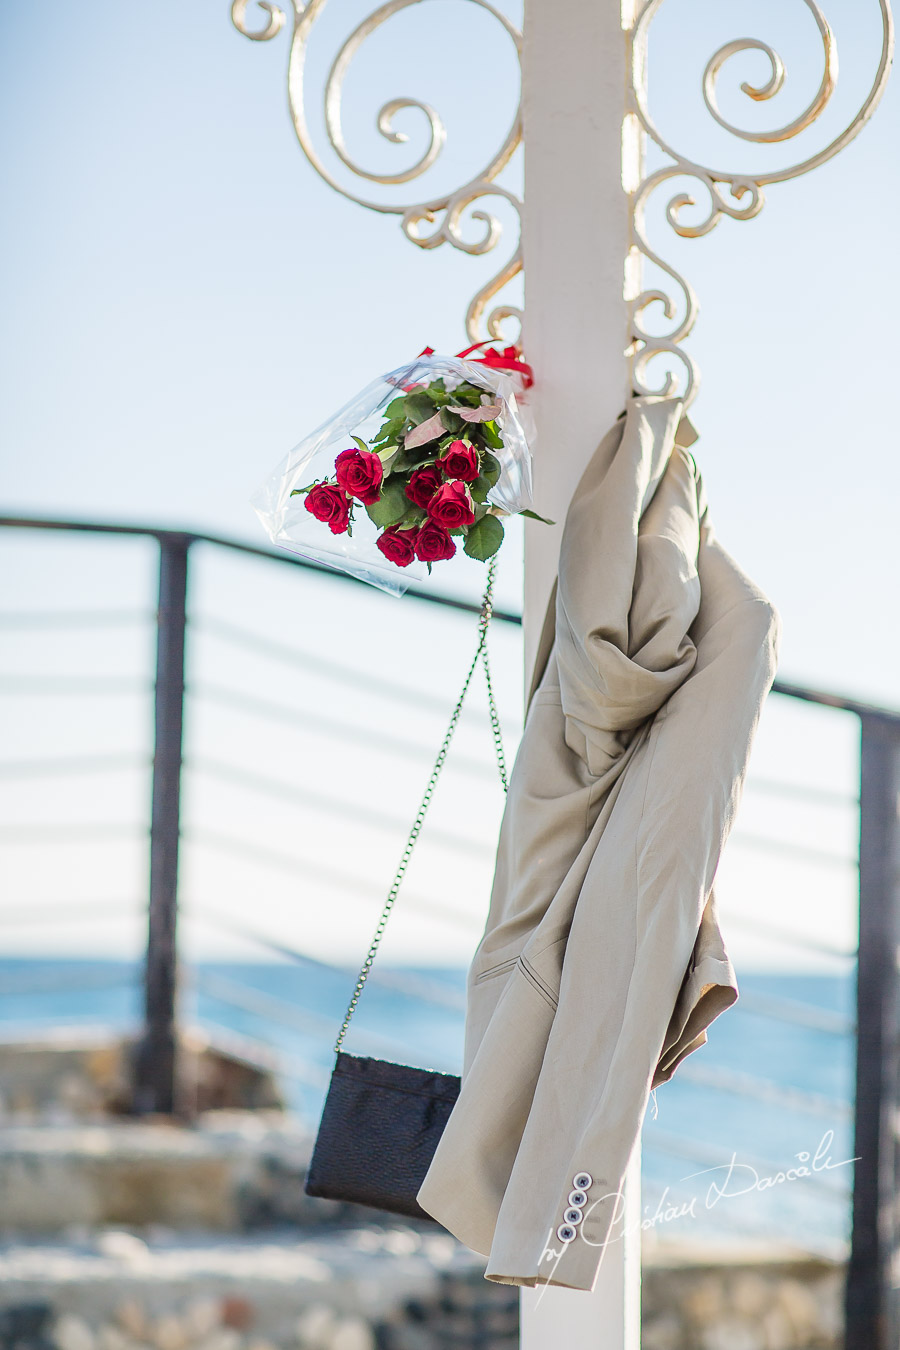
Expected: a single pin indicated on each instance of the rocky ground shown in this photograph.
(125, 1235)
(354, 1289)
(385, 1286)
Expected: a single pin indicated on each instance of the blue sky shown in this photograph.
(184, 299)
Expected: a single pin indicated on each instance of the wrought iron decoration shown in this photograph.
(440, 220)
(739, 195)
(447, 214)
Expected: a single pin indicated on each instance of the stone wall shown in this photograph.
(389, 1286)
(74, 1075)
(130, 1236)
(745, 1301)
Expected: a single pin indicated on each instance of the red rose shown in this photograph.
(359, 473)
(398, 546)
(460, 461)
(328, 503)
(423, 484)
(451, 506)
(433, 543)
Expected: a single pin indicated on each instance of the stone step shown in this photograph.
(85, 1073)
(230, 1172)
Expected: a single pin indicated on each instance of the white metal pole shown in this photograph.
(577, 231)
(607, 1318)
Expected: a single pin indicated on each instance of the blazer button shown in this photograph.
(583, 1181)
(565, 1232)
(573, 1215)
(578, 1198)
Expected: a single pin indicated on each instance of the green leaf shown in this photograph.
(391, 506)
(437, 393)
(414, 516)
(533, 515)
(419, 406)
(401, 462)
(467, 393)
(422, 455)
(405, 460)
(492, 435)
(391, 431)
(362, 445)
(388, 457)
(484, 538)
(490, 467)
(451, 421)
(480, 488)
(397, 409)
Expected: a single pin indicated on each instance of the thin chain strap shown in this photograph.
(481, 654)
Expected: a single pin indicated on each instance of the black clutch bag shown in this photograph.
(381, 1121)
(379, 1129)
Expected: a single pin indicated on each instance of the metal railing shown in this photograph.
(873, 1031)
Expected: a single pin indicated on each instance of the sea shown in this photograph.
(750, 1141)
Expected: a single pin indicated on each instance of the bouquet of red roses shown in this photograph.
(444, 459)
(425, 479)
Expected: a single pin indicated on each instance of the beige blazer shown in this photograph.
(601, 962)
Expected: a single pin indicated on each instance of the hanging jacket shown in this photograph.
(602, 962)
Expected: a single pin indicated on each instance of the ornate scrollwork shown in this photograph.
(444, 219)
(448, 213)
(739, 195)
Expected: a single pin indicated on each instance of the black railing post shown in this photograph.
(155, 1067)
(871, 1309)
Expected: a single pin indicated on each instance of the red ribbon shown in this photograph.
(508, 359)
